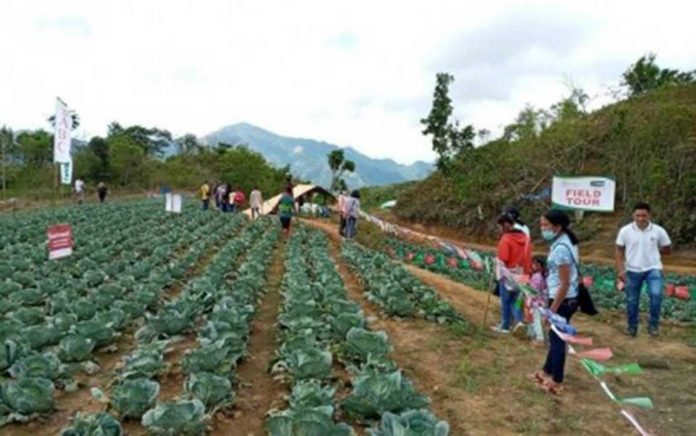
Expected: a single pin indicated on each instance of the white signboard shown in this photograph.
(61, 137)
(172, 203)
(584, 193)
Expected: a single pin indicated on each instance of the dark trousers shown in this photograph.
(205, 205)
(342, 227)
(555, 359)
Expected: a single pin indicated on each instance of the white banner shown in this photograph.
(66, 170)
(172, 203)
(61, 137)
(584, 193)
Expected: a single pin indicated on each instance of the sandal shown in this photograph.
(538, 376)
(552, 387)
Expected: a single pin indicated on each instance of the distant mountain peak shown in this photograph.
(307, 157)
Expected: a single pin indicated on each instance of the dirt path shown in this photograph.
(477, 381)
(257, 392)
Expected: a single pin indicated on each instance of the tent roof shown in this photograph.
(270, 205)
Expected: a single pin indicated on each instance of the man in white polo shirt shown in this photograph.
(638, 249)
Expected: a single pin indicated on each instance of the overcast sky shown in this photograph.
(358, 73)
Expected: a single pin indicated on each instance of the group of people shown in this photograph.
(229, 199)
(79, 191)
(558, 282)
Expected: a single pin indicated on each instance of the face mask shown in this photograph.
(548, 234)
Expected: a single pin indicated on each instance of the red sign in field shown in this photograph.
(60, 241)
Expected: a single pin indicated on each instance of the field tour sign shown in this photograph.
(584, 193)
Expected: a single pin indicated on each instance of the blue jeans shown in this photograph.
(555, 358)
(205, 204)
(507, 306)
(634, 285)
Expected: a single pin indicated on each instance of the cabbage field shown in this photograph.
(173, 297)
(209, 323)
(603, 287)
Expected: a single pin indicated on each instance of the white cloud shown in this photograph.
(357, 73)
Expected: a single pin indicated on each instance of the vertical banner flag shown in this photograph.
(583, 193)
(60, 241)
(61, 137)
(66, 170)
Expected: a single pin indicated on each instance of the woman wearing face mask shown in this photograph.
(562, 285)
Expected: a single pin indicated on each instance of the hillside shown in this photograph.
(307, 157)
(647, 143)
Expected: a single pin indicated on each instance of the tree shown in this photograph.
(449, 139)
(35, 147)
(126, 158)
(6, 148)
(100, 148)
(151, 140)
(339, 165)
(645, 75)
(188, 144)
(530, 122)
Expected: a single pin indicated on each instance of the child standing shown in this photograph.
(537, 303)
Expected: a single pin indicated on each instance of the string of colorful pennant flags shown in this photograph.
(589, 359)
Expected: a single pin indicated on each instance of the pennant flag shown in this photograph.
(597, 369)
(601, 354)
(642, 402)
(461, 253)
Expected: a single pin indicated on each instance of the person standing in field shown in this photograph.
(514, 255)
(230, 199)
(214, 193)
(222, 196)
(351, 212)
(342, 218)
(286, 205)
(256, 202)
(80, 190)
(239, 199)
(205, 195)
(639, 247)
(102, 191)
(562, 285)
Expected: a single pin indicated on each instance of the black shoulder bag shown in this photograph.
(584, 298)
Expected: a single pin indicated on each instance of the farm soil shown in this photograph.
(477, 380)
(256, 391)
(68, 403)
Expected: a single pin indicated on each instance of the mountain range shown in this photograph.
(308, 158)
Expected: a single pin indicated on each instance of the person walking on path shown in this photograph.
(286, 205)
(80, 190)
(102, 191)
(639, 247)
(342, 218)
(515, 255)
(562, 286)
(205, 195)
(239, 199)
(256, 202)
(351, 212)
